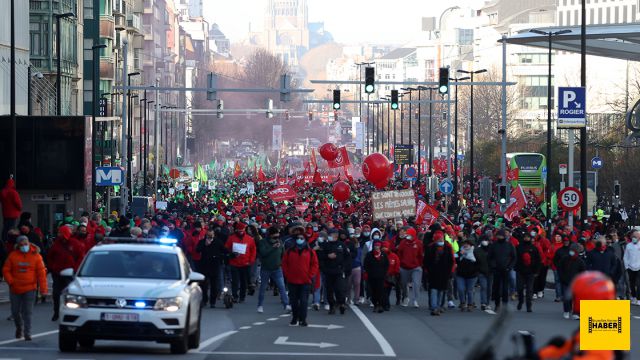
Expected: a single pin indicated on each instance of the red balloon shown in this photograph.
(341, 191)
(383, 184)
(375, 168)
(329, 151)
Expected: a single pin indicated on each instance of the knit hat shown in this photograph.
(438, 235)
(412, 232)
(65, 232)
(21, 238)
(386, 244)
(240, 226)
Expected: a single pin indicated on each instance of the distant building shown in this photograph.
(22, 58)
(221, 44)
(318, 36)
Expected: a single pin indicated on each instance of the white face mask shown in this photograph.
(484, 242)
(533, 234)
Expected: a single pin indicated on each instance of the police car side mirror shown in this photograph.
(196, 277)
(67, 272)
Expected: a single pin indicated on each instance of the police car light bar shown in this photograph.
(129, 240)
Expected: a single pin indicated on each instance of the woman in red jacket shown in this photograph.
(411, 254)
(393, 276)
(300, 266)
(243, 254)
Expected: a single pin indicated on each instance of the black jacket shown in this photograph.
(482, 259)
(376, 268)
(502, 256)
(340, 264)
(466, 268)
(560, 254)
(213, 254)
(524, 250)
(569, 268)
(604, 261)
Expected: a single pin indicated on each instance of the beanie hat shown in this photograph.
(65, 232)
(412, 232)
(240, 226)
(438, 235)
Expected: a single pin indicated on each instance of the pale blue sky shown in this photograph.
(394, 21)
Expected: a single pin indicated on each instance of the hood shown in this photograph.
(373, 231)
(129, 288)
(11, 184)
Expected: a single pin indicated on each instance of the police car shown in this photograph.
(132, 291)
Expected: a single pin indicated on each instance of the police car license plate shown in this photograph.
(120, 317)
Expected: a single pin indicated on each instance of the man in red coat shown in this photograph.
(411, 254)
(65, 253)
(11, 206)
(242, 248)
(300, 266)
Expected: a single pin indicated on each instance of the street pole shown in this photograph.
(143, 112)
(388, 129)
(94, 112)
(156, 138)
(419, 136)
(124, 147)
(369, 142)
(503, 161)
(583, 131)
(12, 110)
(29, 90)
(547, 189)
(146, 146)
(430, 132)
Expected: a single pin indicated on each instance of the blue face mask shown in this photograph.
(24, 248)
(571, 253)
(299, 242)
(440, 243)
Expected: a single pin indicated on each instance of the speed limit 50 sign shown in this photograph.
(570, 198)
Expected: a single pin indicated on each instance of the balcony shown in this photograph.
(106, 67)
(119, 8)
(120, 23)
(106, 26)
(134, 23)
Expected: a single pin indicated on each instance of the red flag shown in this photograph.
(518, 202)
(317, 179)
(281, 193)
(513, 174)
(307, 169)
(341, 160)
(261, 175)
(237, 170)
(426, 213)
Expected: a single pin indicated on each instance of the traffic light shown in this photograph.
(212, 81)
(336, 99)
(220, 113)
(616, 191)
(443, 83)
(394, 99)
(369, 80)
(503, 197)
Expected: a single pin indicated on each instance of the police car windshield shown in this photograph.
(131, 264)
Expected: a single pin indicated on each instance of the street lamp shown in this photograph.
(409, 90)
(547, 193)
(471, 73)
(59, 72)
(146, 147)
(455, 139)
(96, 85)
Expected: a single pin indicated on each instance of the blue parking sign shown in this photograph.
(596, 163)
(572, 107)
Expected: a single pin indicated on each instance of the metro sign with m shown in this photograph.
(109, 176)
(572, 108)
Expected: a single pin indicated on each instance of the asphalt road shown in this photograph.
(242, 333)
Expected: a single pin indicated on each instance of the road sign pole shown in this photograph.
(572, 140)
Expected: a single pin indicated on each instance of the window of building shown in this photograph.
(591, 16)
(464, 36)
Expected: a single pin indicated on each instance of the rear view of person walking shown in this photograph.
(24, 272)
(11, 207)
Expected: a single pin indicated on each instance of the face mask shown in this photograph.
(264, 231)
(533, 234)
(315, 228)
(366, 233)
(351, 230)
(571, 253)
(330, 238)
(24, 248)
(484, 243)
(299, 242)
(376, 237)
(409, 237)
(145, 231)
(440, 243)
(634, 240)
(320, 239)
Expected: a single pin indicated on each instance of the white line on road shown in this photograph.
(32, 336)
(283, 340)
(285, 315)
(384, 344)
(636, 317)
(272, 319)
(244, 353)
(210, 341)
(259, 323)
(244, 327)
(328, 327)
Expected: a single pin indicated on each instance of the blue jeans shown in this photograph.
(416, 279)
(278, 279)
(465, 289)
(436, 297)
(559, 289)
(316, 292)
(512, 282)
(486, 282)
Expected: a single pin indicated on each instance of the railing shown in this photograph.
(134, 22)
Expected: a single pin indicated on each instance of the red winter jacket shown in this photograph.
(64, 254)
(394, 264)
(544, 247)
(410, 253)
(10, 200)
(552, 253)
(190, 243)
(246, 259)
(300, 265)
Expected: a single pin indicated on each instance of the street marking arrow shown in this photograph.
(328, 327)
(282, 340)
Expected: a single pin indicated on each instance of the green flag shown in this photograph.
(554, 204)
